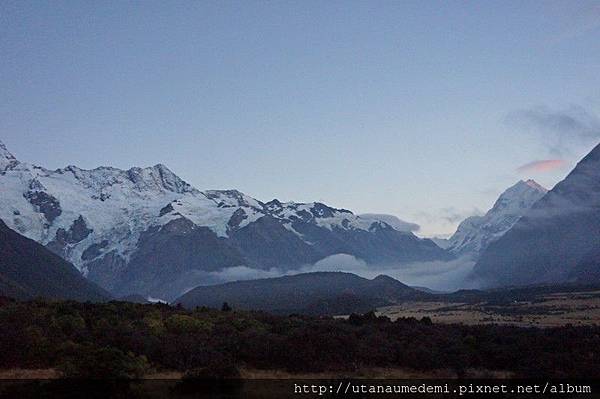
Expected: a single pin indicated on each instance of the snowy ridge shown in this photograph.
(85, 214)
(475, 233)
(7, 160)
(317, 213)
(115, 205)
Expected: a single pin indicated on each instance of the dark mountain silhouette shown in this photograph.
(28, 270)
(557, 240)
(310, 293)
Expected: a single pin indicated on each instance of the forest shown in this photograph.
(128, 340)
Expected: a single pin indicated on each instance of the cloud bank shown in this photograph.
(437, 275)
(445, 219)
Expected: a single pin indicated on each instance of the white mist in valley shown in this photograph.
(437, 275)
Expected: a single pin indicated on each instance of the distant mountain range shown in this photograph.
(146, 231)
(557, 240)
(28, 270)
(307, 293)
(476, 233)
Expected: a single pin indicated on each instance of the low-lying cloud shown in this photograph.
(446, 219)
(437, 275)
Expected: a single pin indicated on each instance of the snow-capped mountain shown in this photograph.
(475, 233)
(146, 231)
(558, 238)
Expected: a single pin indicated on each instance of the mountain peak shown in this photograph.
(158, 177)
(7, 160)
(520, 191)
(528, 184)
(391, 220)
(531, 184)
(475, 233)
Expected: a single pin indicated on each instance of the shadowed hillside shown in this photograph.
(556, 241)
(28, 270)
(311, 293)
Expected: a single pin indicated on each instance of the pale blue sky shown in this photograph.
(424, 110)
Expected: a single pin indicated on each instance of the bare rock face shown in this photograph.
(45, 204)
(76, 233)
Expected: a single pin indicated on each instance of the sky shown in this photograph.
(423, 110)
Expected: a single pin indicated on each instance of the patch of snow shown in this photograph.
(156, 300)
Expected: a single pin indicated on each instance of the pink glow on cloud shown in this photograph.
(543, 166)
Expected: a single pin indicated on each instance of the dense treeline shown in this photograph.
(119, 339)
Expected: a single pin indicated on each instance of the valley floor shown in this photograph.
(545, 310)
